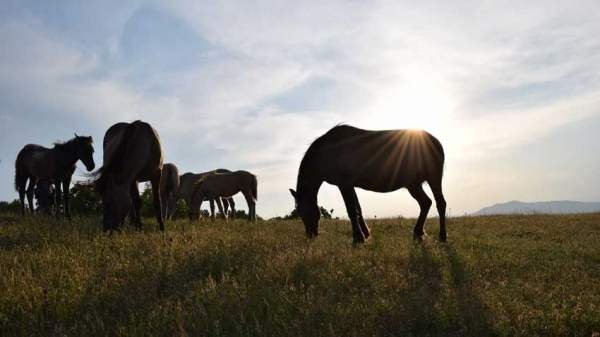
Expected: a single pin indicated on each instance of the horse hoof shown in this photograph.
(358, 241)
(419, 237)
(442, 237)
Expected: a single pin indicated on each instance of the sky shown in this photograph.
(511, 88)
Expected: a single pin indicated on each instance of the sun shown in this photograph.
(416, 102)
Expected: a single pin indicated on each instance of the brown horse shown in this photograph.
(187, 184)
(35, 162)
(379, 161)
(169, 185)
(132, 154)
(226, 185)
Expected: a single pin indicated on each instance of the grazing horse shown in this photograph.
(226, 185)
(169, 184)
(187, 184)
(379, 161)
(132, 154)
(35, 162)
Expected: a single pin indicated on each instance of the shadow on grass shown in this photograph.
(474, 314)
(431, 305)
(127, 304)
(19, 241)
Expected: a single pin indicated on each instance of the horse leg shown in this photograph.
(191, 212)
(225, 206)
(135, 218)
(21, 183)
(232, 207)
(424, 203)
(220, 206)
(172, 206)
(350, 201)
(30, 188)
(250, 202)
(361, 221)
(57, 197)
(165, 206)
(66, 183)
(156, 198)
(212, 208)
(440, 203)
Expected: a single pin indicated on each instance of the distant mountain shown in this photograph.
(545, 207)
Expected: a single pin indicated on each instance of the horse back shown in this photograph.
(375, 160)
(35, 160)
(226, 184)
(169, 181)
(112, 139)
(132, 151)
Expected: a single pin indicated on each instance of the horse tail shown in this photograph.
(17, 177)
(254, 188)
(438, 148)
(438, 155)
(167, 176)
(114, 162)
(19, 174)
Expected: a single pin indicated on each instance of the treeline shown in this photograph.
(325, 214)
(84, 201)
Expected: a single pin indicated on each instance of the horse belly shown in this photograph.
(40, 166)
(376, 175)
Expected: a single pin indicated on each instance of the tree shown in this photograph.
(84, 200)
(10, 207)
(325, 213)
(294, 214)
(147, 201)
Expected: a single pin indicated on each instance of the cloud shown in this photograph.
(251, 84)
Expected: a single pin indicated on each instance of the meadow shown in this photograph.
(535, 275)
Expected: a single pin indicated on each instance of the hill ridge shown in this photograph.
(540, 207)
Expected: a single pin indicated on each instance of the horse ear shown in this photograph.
(294, 194)
(75, 133)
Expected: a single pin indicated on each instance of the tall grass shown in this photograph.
(498, 276)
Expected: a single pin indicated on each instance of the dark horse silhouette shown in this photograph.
(169, 184)
(380, 161)
(35, 162)
(132, 154)
(225, 185)
(187, 185)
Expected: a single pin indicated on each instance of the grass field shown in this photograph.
(497, 276)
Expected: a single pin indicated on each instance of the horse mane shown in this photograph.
(113, 163)
(67, 144)
(315, 145)
(63, 145)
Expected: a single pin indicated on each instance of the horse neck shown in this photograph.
(65, 156)
(308, 186)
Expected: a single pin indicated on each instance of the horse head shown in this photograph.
(116, 202)
(85, 151)
(309, 213)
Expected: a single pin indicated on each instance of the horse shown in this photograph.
(213, 186)
(36, 162)
(45, 196)
(169, 185)
(187, 183)
(132, 154)
(379, 161)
